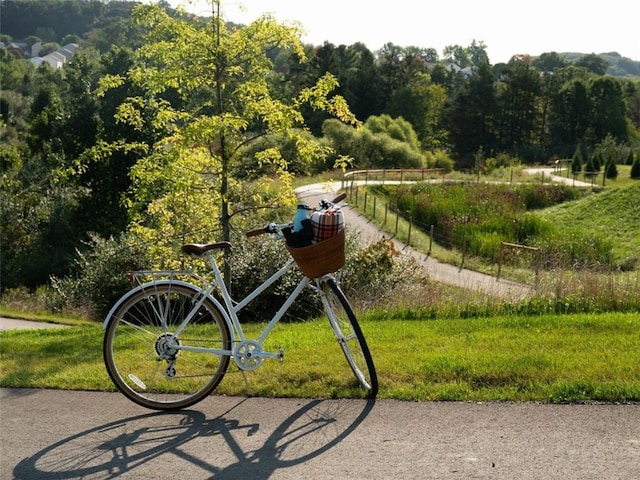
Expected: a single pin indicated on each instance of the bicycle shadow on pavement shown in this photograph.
(181, 443)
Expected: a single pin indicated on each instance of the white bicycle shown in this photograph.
(168, 341)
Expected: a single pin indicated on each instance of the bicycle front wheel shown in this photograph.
(144, 356)
(350, 337)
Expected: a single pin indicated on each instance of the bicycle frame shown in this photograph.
(232, 308)
(229, 309)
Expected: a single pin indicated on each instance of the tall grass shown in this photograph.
(574, 278)
(572, 228)
(613, 214)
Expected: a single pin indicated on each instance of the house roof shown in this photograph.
(58, 58)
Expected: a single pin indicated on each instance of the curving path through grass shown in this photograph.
(442, 272)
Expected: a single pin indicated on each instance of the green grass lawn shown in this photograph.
(554, 358)
(612, 213)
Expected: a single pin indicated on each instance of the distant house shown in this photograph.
(58, 58)
(68, 50)
(35, 49)
(454, 67)
(55, 59)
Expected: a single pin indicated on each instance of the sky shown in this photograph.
(506, 27)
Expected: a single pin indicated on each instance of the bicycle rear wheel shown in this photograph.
(142, 354)
(350, 336)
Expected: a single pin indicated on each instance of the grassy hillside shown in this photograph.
(612, 213)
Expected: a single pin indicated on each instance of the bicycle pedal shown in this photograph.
(281, 355)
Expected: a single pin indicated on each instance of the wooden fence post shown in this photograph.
(397, 219)
(536, 257)
(464, 249)
(430, 240)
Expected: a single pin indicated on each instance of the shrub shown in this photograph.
(543, 196)
(485, 244)
(569, 250)
(530, 226)
(440, 159)
(635, 168)
(253, 261)
(377, 275)
(99, 277)
(372, 148)
(370, 277)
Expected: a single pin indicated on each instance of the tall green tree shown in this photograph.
(518, 90)
(571, 114)
(593, 63)
(391, 73)
(457, 54)
(632, 99)
(364, 94)
(478, 53)
(472, 114)
(635, 168)
(210, 84)
(608, 116)
(576, 161)
(421, 102)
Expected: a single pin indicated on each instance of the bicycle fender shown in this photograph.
(150, 285)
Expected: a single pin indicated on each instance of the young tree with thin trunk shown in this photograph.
(210, 85)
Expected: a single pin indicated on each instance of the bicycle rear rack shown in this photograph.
(140, 277)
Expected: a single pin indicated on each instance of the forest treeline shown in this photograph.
(71, 159)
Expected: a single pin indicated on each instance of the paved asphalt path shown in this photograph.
(15, 324)
(51, 434)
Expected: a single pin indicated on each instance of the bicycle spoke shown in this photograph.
(138, 327)
(132, 349)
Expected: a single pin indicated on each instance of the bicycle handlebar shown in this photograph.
(275, 227)
(259, 231)
(339, 198)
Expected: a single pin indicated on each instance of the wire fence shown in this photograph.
(424, 238)
(397, 175)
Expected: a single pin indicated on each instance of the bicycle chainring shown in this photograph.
(248, 355)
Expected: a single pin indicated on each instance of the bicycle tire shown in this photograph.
(350, 337)
(134, 341)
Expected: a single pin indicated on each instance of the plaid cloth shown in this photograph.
(326, 224)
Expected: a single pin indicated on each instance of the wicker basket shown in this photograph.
(320, 258)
